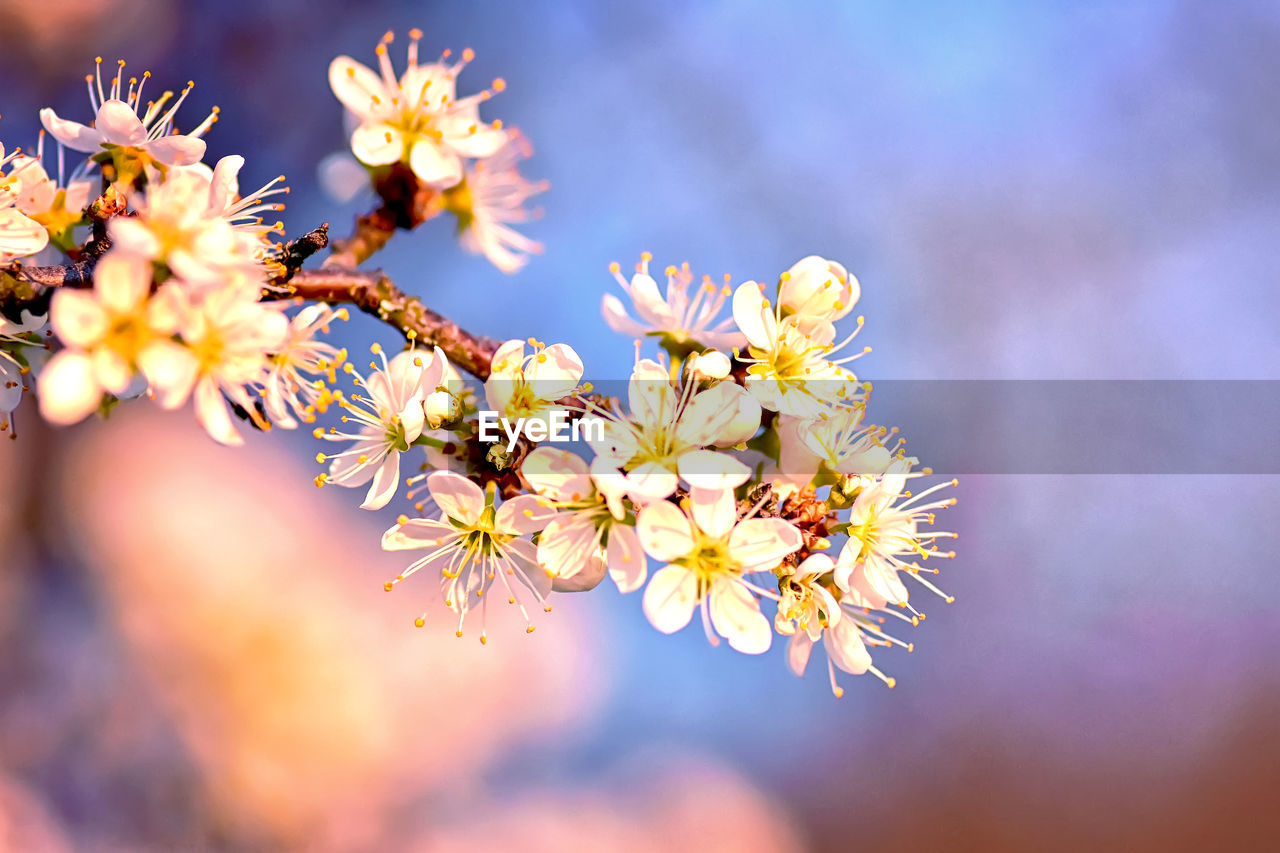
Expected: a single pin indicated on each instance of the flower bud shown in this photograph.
(709, 365)
(819, 289)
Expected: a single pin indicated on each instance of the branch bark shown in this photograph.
(374, 293)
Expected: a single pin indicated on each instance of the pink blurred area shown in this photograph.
(229, 645)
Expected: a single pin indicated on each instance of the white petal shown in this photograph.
(798, 652)
(73, 134)
(20, 236)
(355, 85)
(628, 564)
(711, 469)
(845, 647)
(759, 544)
(111, 370)
(670, 598)
(523, 514)
(213, 413)
(650, 305)
(557, 474)
(67, 388)
(715, 511)
(418, 533)
(171, 371)
(176, 150)
(377, 144)
(434, 164)
(555, 371)
(77, 318)
(752, 313)
(385, 480)
(650, 482)
(132, 237)
(121, 281)
(119, 124)
(664, 531)
(484, 142)
(736, 616)
(457, 497)
(617, 318)
(224, 185)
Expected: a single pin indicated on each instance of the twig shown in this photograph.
(373, 292)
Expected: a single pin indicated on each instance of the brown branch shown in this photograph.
(374, 293)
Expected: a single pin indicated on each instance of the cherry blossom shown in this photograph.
(709, 553)
(118, 128)
(678, 321)
(416, 118)
(475, 544)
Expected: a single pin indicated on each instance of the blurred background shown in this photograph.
(196, 649)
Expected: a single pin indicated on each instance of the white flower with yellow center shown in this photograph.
(143, 140)
(709, 554)
(226, 338)
(790, 372)
(679, 322)
(476, 545)
(193, 222)
(809, 613)
(672, 430)
(885, 539)
(416, 118)
(291, 389)
(389, 417)
(490, 199)
(592, 532)
(527, 383)
(109, 334)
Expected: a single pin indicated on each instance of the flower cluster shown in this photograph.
(723, 483)
(733, 474)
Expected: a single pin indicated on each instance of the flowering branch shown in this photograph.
(372, 291)
(737, 463)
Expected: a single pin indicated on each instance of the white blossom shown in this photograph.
(148, 138)
(389, 417)
(673, 432)
(109, 334)
(193, 221)
(709, 553)
(22, 348)
(226, 339)
(790, 371)
(680, 322)
(592, 532)
(490, 199)
(885, 539)
(416, 118)
(527, 384)
(287, 390)
(20, 235)
(475, 544)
